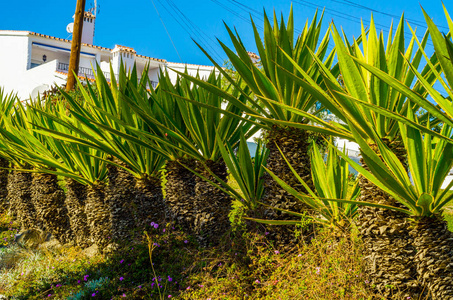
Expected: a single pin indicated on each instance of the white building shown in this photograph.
(31, 63)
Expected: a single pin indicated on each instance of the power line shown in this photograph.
(413, 21)
(188, 26)
(235, 13)
(348, 17)
(166, 31)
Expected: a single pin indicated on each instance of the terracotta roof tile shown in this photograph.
(80, 77)
(152, 58)
(253, 55)
(67, 41)
(124, 48)
(176, 63)
(89, 14)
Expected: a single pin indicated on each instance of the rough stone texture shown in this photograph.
(76, 194)
(98, 215)
(149, 205)
(213, 205)
(434, 259)
(389, 250)
(4, 174)
(120, 195)
(49, 202)
(19, 195)
(180, 193)
(11, 197)
(294, 145)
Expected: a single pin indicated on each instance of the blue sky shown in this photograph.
(136, 23)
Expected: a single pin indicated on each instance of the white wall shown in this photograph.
(203, 71)
(36, 80)
(14, 53)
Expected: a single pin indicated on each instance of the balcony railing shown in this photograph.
(89, 72)
(82, 70)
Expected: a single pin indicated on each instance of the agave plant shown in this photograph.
(6, 105)
(177, 130)
(88, 217)
(187, 131)
(331, 178)
(420, 190)
(47, 196)
(134, 174)
(271, 84)
(247, 172)
(429, 163)
(20, 181)
(370, 104)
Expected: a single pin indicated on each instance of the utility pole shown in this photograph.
(76, 45)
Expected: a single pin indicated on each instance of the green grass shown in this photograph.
(245, 266)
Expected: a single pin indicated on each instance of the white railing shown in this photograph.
(89, 72)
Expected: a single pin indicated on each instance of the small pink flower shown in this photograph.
(276, 252)
(121, 278)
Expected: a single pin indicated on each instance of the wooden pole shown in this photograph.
(76, 45)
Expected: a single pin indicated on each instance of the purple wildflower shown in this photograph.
(121, 278)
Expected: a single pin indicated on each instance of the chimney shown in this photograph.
(125, 54)
(88, 28)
